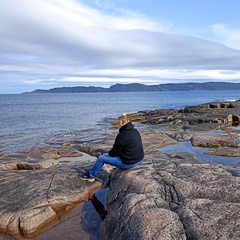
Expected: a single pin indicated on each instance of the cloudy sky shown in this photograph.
(55, 43)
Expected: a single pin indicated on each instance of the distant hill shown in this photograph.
(137, 87)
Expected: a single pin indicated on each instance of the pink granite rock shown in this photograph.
(174, 199)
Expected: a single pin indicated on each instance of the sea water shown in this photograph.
(31, 119)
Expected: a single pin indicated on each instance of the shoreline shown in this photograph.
(55, 168)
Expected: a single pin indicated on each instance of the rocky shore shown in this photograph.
(177, 199)
(170, 196)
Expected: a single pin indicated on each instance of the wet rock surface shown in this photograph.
(171, 196)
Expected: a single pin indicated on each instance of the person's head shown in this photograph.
(122, 120)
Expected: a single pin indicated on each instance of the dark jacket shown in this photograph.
(128, 145)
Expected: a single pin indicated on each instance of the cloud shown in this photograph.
(229, 36)
(67, 42)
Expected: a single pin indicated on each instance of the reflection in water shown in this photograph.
(94, 212)
(99, 207)
(84, 222)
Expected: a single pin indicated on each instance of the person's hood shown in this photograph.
(128, 126)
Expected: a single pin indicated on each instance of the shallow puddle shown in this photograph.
(83, 222)
(199, 152)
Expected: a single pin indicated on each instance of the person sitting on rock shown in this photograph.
(127, 150)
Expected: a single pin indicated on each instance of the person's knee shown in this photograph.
(101, 158)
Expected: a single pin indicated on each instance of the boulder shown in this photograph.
(174, 199)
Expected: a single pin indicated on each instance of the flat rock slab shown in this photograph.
(224, 151)
(36, 158)
(216, 140)
(174, 199)
(31, 201)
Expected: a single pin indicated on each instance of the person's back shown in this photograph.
(128, 145)
(127, 150)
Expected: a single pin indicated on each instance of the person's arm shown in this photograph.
(117, 147)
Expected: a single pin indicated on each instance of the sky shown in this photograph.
(63, 43)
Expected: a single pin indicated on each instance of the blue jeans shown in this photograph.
(114, 161)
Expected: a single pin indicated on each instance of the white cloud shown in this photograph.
(65, 41)
(229, 36)
(139, 76)
(126, 19)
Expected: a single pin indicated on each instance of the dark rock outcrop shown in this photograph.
(209, 125)
(208, 116)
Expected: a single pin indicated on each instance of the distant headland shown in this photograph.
(137, 87)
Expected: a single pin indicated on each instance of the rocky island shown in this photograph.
(173, 195)
(138, 87)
